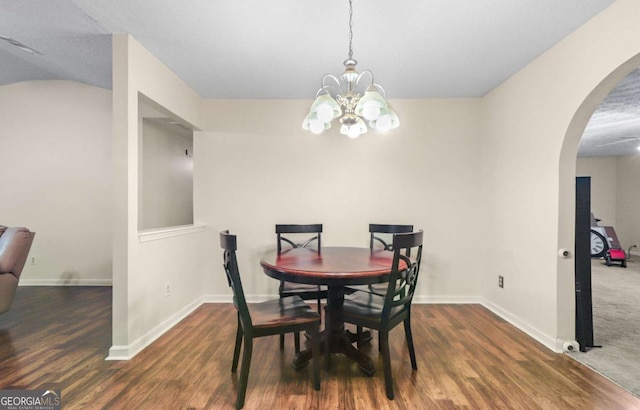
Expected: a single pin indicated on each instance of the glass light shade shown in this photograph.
(326, 108)
(354, 130)
(386, 121)
(325, 113)
(371, 105)
(314, 124)
(370, 111)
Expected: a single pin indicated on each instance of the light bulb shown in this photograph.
(324, 112)
(384, 123)
(371, 110)
(316, 126)
(638, 148)
(353, 132)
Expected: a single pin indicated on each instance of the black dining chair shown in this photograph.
(275, 317)
(304, 291)
(383, 313)
(380, 237)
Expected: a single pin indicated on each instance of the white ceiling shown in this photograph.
(258, 49)
(614, 128)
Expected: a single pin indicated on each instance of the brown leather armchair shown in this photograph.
(15, 244)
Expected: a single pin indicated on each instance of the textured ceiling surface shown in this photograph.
(614, 127)
(256, 49)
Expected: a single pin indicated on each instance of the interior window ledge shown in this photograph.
(169, 232)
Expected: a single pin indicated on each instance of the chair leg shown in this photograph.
(325, 345)
(359, 336)
(244, 372)
(236, 350)
(386, 361)
(315, 352)
(412, 353)
(296, 341)
(282, 341)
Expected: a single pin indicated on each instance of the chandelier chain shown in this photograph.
(350, 29)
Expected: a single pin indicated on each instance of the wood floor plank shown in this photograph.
(468, 358)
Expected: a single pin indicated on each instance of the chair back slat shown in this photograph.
(299, 229)
(404, 271)
(376, 229)
(228, 242)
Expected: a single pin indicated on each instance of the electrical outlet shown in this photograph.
(34, 260)
(167, 288)
(500, 281)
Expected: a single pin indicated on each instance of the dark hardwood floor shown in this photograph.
(468, 358)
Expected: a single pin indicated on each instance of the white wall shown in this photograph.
(628, 201)
(166, 177)
(255, 167)
(56, 179)
(604, 186)
(533, 123)
(142, 269)
(615, 194)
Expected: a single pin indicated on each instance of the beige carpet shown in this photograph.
(616, 323)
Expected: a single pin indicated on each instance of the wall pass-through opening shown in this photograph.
(165, 174)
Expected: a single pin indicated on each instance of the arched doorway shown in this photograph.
(567, 174)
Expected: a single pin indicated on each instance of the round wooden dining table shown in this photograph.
(335, 267)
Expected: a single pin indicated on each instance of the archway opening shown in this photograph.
(567, 195)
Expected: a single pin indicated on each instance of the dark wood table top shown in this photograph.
(334, 266)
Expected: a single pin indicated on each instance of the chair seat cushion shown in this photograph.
(365, 306)
(291, 310)
(364, 299)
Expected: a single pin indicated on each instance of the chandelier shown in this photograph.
(354, 98)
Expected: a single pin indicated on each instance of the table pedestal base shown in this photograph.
(365, 337)
(335, 339)
(340, 345)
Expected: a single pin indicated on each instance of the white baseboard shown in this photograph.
(416, 299)
(126, 352)
(229, 298)
(65, 282)
(556, 345)
(217, 299)
(452, 300)
(546, 340)
(119, 353)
